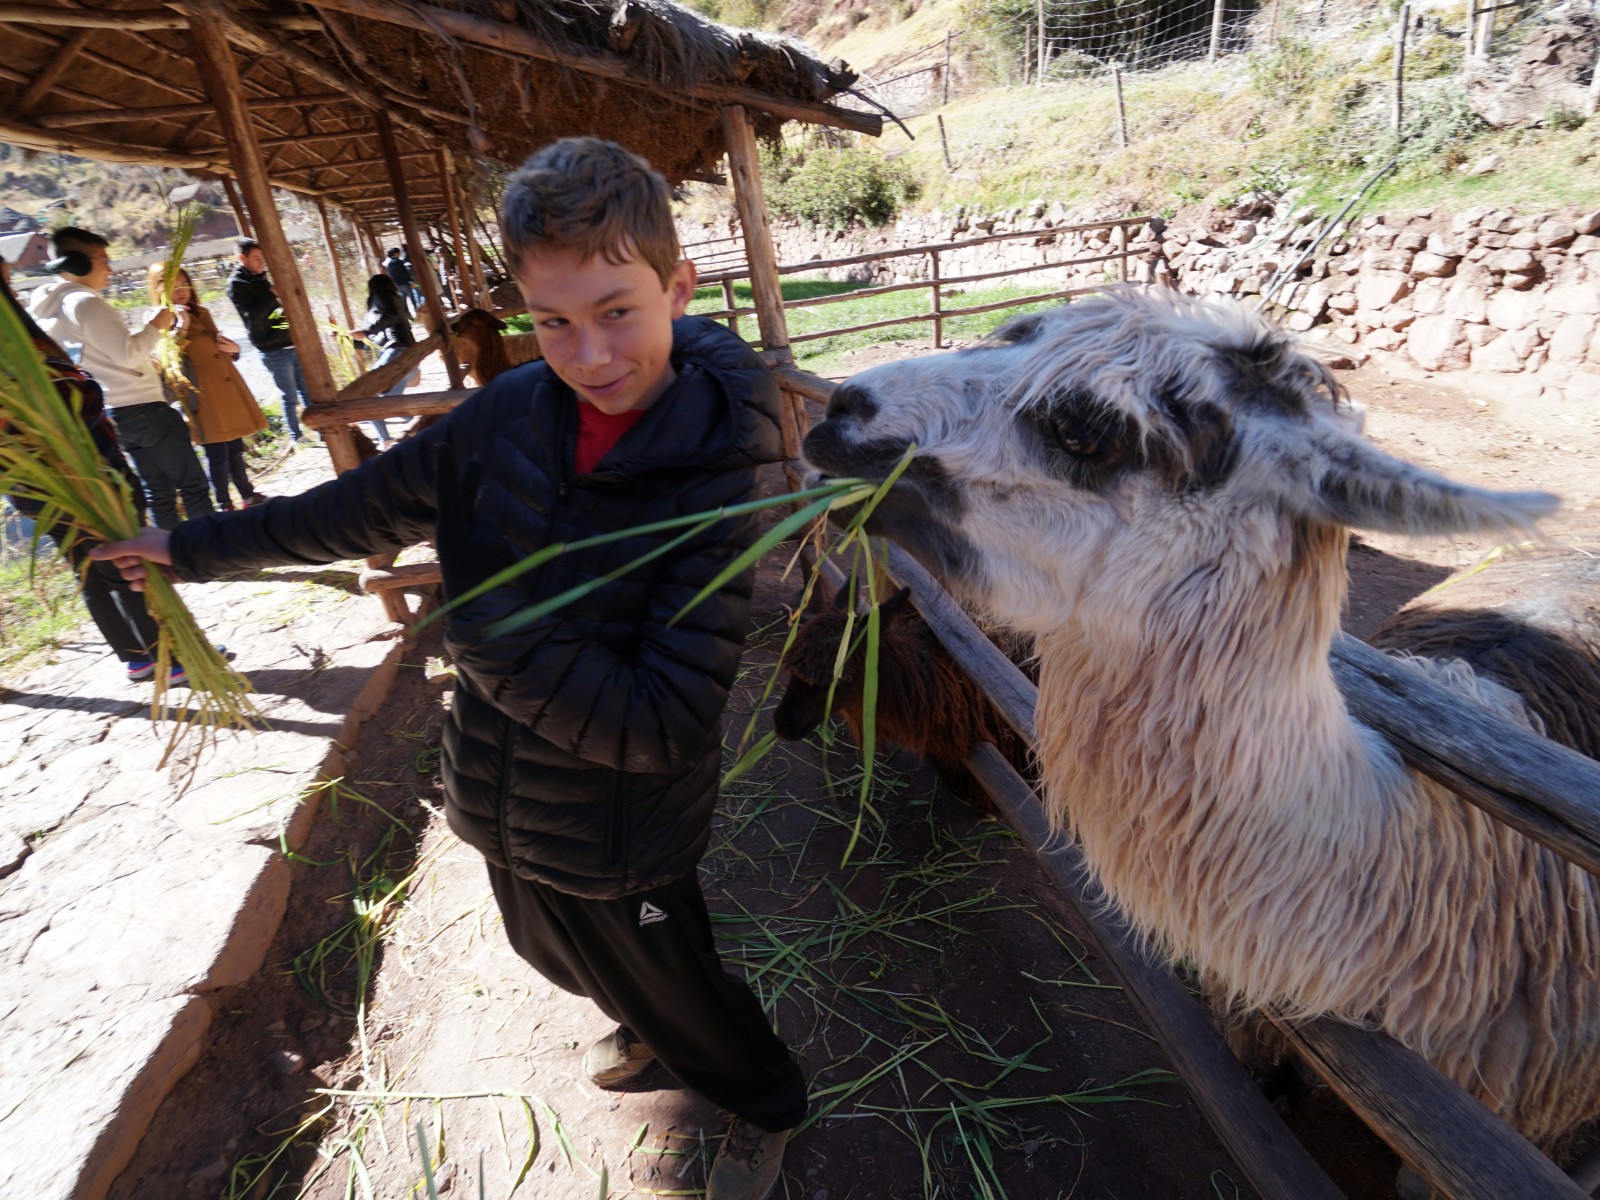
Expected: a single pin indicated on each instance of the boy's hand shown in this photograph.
(132, 556)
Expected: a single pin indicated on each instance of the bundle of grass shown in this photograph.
(47, 453)
(169, 350)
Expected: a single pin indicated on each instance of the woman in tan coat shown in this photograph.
(221, 408)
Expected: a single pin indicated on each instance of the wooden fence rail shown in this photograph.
(1455, 1143)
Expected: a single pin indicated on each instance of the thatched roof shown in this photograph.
(116, 81)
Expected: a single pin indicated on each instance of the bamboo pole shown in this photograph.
(333, 258)
(420, 266)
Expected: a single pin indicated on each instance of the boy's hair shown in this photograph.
(70, 237)
(394, 252)
(594, 198)
(245, 245)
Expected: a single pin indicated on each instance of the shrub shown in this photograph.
(1286, 71)
(836, 186)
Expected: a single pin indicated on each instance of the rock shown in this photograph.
(1384, 339)
(1484, 166)
(1449, 247)
(1429, 296)
(1511, 260)
(1515, 310)
(1585, 244)
(1467, 303)
(1437, 343)
(1428, 265)
(1343, 302)
(287, 1062)
(1517, 282)
(1398, 316)
(1411, 239)
(1588, 223)
(1573, 299)
(444, 1175)
(1498, 355)
(1386, 260)
(1554, 233)
(1583, 387)
(1300, 321)
(1381, 288)
(13, 849)
(1570, 341)
(1344, 333)
(1479, 335)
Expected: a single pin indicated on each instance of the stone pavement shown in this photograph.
(127, 900)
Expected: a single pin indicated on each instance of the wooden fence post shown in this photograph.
(938, 301)
(1401, 28)
(1484, 42)
(1122, 111)
(1027, 52)
(1470, 34)
(729, 302)
(1044, 45)
(1121, 239)
(454, 217)
(1218, 12)
(424, 272)
(944, 142)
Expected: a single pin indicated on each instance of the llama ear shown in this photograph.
(895, 604)
(1338, 477)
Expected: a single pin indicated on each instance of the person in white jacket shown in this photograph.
(151, 430)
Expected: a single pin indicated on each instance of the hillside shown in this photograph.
(1301, 105)
(128, 202)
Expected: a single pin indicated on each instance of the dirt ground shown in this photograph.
(960, 1038)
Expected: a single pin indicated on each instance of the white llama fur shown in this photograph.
(1192, 736)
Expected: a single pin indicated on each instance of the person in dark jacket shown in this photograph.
(267, 327)
(386, 327)
(583, 750)
(399, 270)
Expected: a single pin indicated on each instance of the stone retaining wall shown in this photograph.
(1487, 290)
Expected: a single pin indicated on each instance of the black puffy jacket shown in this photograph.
(260, 309)
(582, 751)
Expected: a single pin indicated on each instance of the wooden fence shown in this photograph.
(1543, 789)
(935, 284)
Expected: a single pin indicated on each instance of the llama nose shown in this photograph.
(851, 400)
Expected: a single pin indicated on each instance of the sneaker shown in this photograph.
(748, 1162)
(179, 675)
(255, 498)
(140, 669)
(616, 1058)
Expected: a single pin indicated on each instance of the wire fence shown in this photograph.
(1046, 42)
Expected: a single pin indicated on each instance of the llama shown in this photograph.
(483, 348)
(1160, 491)
(926, 703)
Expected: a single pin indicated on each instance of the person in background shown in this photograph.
(267, 328)
(399, 270)
(70, 309)
(386, 327)
(222, 409)
(117, 609)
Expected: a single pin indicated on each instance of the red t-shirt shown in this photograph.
(598, 432)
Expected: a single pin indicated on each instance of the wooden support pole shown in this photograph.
(480, 281)
(454, 217)
(421, 268)
(1218, 12)
(47, 78)
(241, 214)
(1402, 27)
(333, 259)
(744, 167)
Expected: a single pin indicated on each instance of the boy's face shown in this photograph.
(255, 260)
(606, 328)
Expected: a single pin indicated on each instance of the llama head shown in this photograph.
(1119, 446)
(813, 658)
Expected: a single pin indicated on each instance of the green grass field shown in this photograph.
(37, 606)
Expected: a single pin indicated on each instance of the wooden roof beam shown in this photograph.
(53, 71)
(520, 42)
(133, 18)
(179, 111)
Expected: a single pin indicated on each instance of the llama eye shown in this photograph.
(1076, 440)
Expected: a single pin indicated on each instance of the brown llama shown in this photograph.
(926, 703)
(483, 348)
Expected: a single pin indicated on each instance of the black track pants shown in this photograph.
(649, 963)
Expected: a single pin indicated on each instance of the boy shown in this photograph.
(582, 753)
(257, 303)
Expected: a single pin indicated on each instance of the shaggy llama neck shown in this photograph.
(1202, 753)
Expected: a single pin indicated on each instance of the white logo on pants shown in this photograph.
(649, 914)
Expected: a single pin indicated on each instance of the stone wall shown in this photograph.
(1515, 295)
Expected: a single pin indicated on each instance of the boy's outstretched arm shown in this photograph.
(651, 710)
